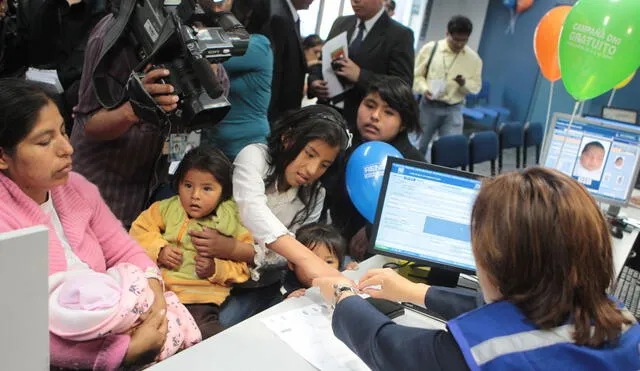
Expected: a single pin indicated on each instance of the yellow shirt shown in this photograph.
(446, 65)
(166, 223)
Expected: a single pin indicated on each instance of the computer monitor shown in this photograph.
(24, 313)
(601, 154)
(620, 114)
(424, 215)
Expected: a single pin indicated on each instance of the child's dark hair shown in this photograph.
(297, 128)
(594, 144)
(313, 234)
(311, 41)
(398, 96)
(211, 160)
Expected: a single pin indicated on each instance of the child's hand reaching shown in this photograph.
(352, 266)
(296, 294)
(205, 267)
(170, 257)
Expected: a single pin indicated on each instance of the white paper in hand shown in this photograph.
(437, 88)
(336, 48)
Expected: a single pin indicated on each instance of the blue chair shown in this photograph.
(472, 113)
(482, 100)
(483, 95)
(450, 151)
(493, 115)
(511, 135)
(533, 135)
(483, 146)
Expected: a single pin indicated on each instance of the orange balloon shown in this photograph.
(624, 82)
(545, 41)
(523, 5)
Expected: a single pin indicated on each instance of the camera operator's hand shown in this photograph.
(161, 92)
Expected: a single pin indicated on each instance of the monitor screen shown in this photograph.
(424, 215)
(601, 154)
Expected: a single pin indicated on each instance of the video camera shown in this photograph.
(184, 37)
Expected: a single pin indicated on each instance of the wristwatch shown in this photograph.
(341, 288)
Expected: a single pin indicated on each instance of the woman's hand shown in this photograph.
(159, 303)
(327, 287)
(147, 339)
(392, 286)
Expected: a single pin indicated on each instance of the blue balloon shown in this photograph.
(510, 4)
(365, 170)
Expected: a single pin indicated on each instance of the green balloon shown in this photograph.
(599, 46)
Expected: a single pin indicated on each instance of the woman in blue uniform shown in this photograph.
(544, 261)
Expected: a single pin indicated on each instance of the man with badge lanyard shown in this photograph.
(445, 72)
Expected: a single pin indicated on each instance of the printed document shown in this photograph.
(308, 331)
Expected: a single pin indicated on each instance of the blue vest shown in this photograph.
(499, 337)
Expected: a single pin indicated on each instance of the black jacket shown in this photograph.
(386, 50)
(289, 64)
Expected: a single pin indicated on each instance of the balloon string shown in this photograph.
(564, 140)
(511, 23)
(546, 123)
(613, 94)
(581, 108)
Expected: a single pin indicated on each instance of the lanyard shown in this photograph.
(447, 69)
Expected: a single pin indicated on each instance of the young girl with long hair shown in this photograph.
(278, 188)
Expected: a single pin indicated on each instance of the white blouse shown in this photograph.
(266, 213)
(73, 261)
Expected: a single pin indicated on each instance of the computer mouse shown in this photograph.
(616, 231)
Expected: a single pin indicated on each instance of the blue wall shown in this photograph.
(511, 68)
(509, 62)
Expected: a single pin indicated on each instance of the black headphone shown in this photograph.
(328, 114)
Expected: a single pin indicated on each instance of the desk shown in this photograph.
(250, 345)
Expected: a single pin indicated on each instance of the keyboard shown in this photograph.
(628, 290)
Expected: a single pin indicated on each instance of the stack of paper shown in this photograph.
(308, 331)
(45, 76)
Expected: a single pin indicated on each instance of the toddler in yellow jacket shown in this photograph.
(203, 182)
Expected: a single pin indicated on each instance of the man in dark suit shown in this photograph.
(289, 64)
(378, 45)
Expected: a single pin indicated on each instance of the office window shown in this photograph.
(330, 12)
(309, 19)
(320, 16)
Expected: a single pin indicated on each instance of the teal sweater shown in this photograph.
(250, 93)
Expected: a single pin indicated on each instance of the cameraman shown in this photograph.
(114, 149)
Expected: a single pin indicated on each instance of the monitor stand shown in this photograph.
(435, 276)
(613, 210)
